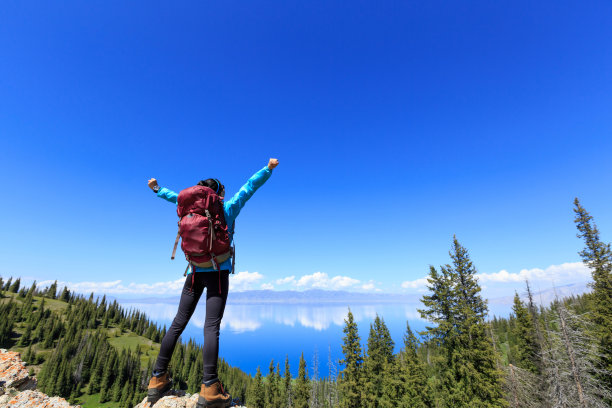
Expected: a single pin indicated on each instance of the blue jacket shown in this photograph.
(231, 207)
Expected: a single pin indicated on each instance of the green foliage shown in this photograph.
(286, 390)
(468, 373)
(273, 388)
(414, 391)
(597, 255)
(378, 360)
(350, 380)
(77, 358)
(302, 386)
(256, 397)
(527, 348)
(14, 288)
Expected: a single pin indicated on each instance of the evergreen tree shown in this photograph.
(469, 375)
(7, 285)
(528, 353)
(379, 357)
(108, 379)
(51, 290)
(302, 386)
(597, 255)
(351, 376)
(195, 375)
(474, 380)
(65, 296)
(287, 391)
(32, 290)
(15, 286)
(416, 394)
(279, 395)
(257, 397)
(271, 387)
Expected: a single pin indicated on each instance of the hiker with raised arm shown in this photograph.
(206, 229)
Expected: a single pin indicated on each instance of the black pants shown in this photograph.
(217, 285)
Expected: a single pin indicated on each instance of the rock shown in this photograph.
(13, 372)
(173, 400)
(17, 387)
(32, 399)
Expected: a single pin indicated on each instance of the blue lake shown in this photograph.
(254, 334)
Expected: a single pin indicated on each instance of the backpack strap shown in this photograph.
(178, 236)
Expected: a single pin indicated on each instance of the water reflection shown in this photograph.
(255, 334)
(240, 318)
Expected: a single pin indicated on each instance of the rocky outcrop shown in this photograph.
(172, 400)
(176, 399)
(32, 399)
(13, 372)
(17, 388)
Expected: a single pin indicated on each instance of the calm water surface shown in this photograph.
(254, 334)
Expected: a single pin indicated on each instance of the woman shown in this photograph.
(216, 282)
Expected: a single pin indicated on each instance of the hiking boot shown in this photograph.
(213, 396)
(157, 387)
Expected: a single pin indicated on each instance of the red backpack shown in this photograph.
(202, 228)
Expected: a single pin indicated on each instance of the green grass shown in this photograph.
(93, 401)
(131, 341)
(52, 304)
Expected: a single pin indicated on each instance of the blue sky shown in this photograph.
(396, 124)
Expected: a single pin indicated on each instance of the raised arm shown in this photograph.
(163, 192)
(235, 204)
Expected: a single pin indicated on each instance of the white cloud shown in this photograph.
(267, 286)
(320, 280)
(569, 272)
(415, 284)
(238, 282)
(288, 279)
(244, 280)
(369, 286)
(117, 287)
(559, 274)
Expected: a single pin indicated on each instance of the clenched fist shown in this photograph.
(152, 183)
(271, 164)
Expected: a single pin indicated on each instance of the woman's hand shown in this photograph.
(152, 183)
(271, 164)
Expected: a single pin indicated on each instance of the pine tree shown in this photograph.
(415, 393)
(51, 290)
(528, 352)
(597, 255)
(65, 296)
(474, 377)
(287, 391)
(469, 376)
(279, 400)
(7, 285)
(349, 384)
(270, 387)
(257, 397)
(379, 357)
(108, 378)
(15, 286)
(302, 386)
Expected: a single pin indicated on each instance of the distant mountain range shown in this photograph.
(292, 297)
(546, 296)
(317, 296)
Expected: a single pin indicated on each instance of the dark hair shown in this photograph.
(213, 184)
